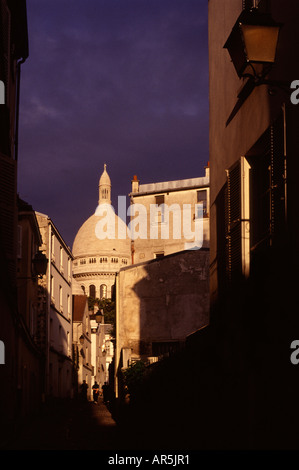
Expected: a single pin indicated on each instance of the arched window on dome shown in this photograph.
(103, 291)
(112, 291)
(92, 291)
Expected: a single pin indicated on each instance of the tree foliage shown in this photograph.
(109, 310)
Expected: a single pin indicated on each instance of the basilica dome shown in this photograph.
(102, 246)
(88, 241)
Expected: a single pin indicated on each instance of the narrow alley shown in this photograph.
(77, 425)
(71, 425)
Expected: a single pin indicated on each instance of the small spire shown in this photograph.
(105, 187)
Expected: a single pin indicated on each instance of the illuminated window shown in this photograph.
(60, 298)
(201, 211)
(61, 257)
(103, 291)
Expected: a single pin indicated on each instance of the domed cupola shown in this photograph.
(105, 187)
(97, 259)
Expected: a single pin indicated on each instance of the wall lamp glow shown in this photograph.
(252, 44)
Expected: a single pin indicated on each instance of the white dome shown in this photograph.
(93, 238)
(101, 247)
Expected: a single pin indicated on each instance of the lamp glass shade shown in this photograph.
(260, 42)
(253, 40)
(99, 316)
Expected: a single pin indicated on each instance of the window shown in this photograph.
(165, 348)
(92, 260)
(159, 200)
(83, 261)
(268, 188)
(61, 257)
(52, 290)
(60, 299)
(68, 306)
(159, 255)
(52, 247)
(69, 268)
(68, 343)
(202, 200)
(112, 291)
(237, 221)
(103, 291)
(92, 291)
(255, 208)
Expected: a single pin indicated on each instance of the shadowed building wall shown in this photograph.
(160, 303)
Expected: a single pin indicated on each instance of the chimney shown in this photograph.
(135, 184)
(207, 169)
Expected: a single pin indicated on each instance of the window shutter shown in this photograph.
(233, 222)
(277, 175)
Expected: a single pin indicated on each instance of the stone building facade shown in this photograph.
(13, 52)
(57, 284)
(169, 216)
(159, 304)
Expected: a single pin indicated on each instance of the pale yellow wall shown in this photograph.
(176, 234)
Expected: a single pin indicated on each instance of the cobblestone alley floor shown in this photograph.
(71, 425)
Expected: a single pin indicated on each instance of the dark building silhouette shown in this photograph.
(13, 51)
(254, 149)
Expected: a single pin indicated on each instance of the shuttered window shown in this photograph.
(267, 186)
(255, 205)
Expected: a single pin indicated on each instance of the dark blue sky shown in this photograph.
(122, 82)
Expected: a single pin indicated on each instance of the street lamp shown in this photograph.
(99, 316)
(252, 43)
(39, 266)
(40, 263)
(252, 46)
(81, 339)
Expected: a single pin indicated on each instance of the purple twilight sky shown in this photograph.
(122, 82)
